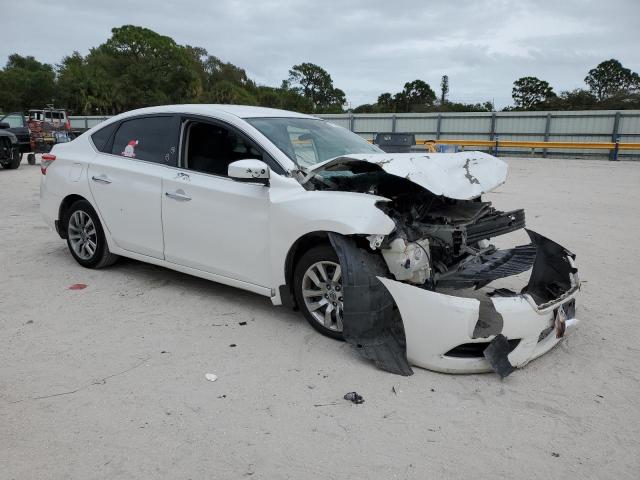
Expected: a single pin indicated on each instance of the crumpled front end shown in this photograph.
(493, 329)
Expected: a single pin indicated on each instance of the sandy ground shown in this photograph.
(108, 382)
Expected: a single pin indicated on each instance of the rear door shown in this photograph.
(125, 178)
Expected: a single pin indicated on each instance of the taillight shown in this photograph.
(68, 124)
(46, 160)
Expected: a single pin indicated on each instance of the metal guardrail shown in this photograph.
(495, 145)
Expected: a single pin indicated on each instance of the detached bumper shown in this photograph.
(449, 333)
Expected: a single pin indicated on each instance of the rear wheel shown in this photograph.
(318, 290)
(85, 237)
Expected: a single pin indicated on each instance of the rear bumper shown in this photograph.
(439, 326)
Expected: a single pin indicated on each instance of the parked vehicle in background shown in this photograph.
(10, 155)
(47, 127)
(18, 126)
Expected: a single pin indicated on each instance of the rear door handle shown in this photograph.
(178, 195)
(101, 179)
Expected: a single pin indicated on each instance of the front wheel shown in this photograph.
(85, 237)
(318, 290)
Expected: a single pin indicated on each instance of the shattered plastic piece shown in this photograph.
(353, 397)
(233, 345)
(211, 377)
(242, 323)
(78, 286)
(497, 354)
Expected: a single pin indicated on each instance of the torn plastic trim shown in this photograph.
(370, 322)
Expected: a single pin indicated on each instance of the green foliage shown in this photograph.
(610, 79)
(26, 83)
(530, 92)
(315, 83)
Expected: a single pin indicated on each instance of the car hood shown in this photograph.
(461, 176)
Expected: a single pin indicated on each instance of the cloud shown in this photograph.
(368, 46)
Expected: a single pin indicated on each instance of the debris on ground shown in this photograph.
(353, 397)
(211, 377)
(242, 323)
(78, 286)
(555, 454)
(233, 345)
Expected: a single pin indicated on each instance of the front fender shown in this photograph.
(296, 212)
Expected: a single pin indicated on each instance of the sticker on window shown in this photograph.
(130, 149)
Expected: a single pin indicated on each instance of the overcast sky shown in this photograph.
(368, 46)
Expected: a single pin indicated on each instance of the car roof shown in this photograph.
(241, 111)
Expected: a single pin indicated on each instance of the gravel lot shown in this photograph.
(108, 382)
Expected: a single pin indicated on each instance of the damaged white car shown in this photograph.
(390, 252)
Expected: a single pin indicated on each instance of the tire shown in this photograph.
(14, 156)
(31, 158)
(87, 245)
(329, 288)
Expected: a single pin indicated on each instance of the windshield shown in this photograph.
(308, 141)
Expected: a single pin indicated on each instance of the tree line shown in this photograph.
(137, 67)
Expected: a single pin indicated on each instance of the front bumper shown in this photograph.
(439, 326)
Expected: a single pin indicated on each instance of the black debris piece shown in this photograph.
(555, 454)
(242, 323)
(233, 345)
(497, 354)
(353, 397)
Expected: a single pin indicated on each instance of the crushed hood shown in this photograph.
(461, 176)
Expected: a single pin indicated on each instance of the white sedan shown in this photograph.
(389, 252)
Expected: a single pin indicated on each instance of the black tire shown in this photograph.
(31, 158)
(101, 256)
(321, 253)
(15, 157)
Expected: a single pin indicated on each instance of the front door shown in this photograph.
(212, 222)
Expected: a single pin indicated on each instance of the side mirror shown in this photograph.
(4, 125)
(253, 171)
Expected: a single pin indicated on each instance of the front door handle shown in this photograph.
(101, 179)
(178, 195)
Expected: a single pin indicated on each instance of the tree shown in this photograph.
(26, 83)
(315, 83)
(610, 78)
(444, 89)
(416, 96)
(530, 92)
(137, 67)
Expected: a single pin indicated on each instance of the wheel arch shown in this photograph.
(62, 210)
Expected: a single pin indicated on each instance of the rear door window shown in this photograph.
(153, 139)
(101, 137)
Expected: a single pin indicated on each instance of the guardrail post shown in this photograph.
(492, 129)
(86, 124)
(615, 150)
(393, 123)
(613, 154)
(351, 122)
(495, 147)
(547, 131)
(438, 126)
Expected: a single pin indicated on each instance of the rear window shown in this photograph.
(152, 139)
(101, 137)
